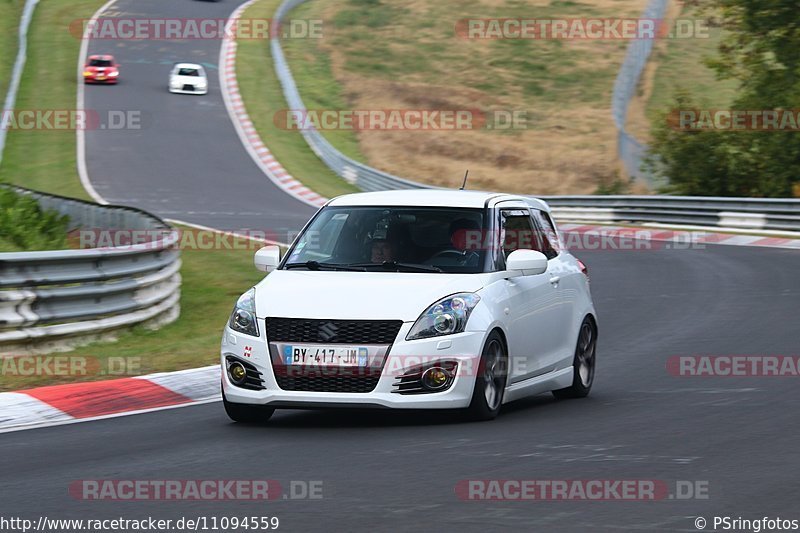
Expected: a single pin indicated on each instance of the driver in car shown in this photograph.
(383, 250)
(465, 234)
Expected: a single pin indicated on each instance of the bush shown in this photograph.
(24, 226)
(725, 163)
(761, 51)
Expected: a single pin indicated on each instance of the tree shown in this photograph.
(761, 51)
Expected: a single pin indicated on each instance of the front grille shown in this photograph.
(328, 383)
(326, 378)
(332, 331)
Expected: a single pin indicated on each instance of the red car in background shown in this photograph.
(101, 69)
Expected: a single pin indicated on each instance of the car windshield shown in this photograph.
(186, 71)
(100, 63)
(392, 239)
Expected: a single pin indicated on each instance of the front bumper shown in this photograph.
(194, 91)
(94, 79)
(464, 348)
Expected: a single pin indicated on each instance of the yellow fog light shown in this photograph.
(238, 373)
(435, 378)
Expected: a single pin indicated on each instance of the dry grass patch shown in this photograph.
(378, 54)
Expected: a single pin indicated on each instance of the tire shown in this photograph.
(490, 381)
(246, 414)
(583, 365)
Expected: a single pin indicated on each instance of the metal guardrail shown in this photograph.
(59, 297)
(16, 72)
(741, 213)
(362, 176)
(744, 213)
(630, 151)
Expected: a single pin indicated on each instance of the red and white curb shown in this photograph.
(78, 402)
(684, 236)
(244, 126)
(94, 400)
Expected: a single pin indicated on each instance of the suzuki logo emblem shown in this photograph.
(327, 332)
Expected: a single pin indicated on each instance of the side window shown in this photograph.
(517, 231)
(547, 233)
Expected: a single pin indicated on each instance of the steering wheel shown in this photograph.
(447, 253)
(461, 257)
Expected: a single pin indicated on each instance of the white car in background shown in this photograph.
(188, 78)
(413, 300)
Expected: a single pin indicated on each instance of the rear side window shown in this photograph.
(547, 232)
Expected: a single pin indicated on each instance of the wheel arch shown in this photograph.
(503, 338)
(592, 319)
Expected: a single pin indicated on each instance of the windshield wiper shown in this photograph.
(316, 265)
(395, 265)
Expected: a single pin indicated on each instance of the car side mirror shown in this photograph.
(526, 263)
(268, 258)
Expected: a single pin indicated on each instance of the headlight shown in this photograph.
(174, 83)
(113, 74)
(447, 316)
(243, 318)
(87, 73)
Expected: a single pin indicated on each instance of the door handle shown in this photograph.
(555, 279)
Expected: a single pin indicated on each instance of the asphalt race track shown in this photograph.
(397, 471)
(185, 162)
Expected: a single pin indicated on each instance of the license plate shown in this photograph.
(101, 77)
(348, 356)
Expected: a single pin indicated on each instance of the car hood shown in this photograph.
(188, 80)
(357, 295)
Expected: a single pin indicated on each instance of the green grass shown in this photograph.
(40, 159)
(314, 76)
(681, 67)
(212, 280)
(10, 12)
(380, 39)
(262, 94)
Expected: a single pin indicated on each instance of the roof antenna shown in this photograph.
(464, 185)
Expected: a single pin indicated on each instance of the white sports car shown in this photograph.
(188, 78)
(413, 299)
